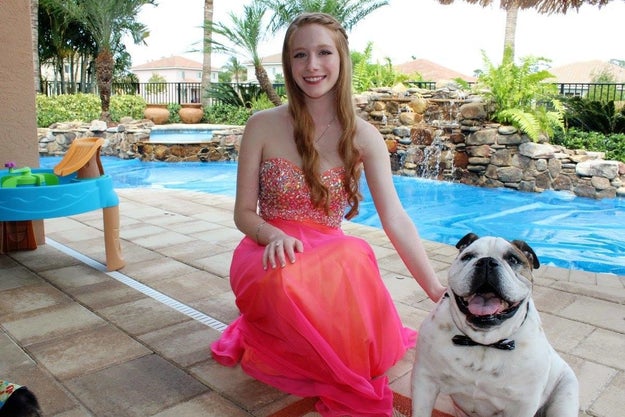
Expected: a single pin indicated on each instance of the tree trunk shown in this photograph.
(34, 22)
(104, 78)
(266, 85)
(511, 18)
(206, 64)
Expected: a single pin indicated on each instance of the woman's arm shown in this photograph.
(398, 226)
(246, 216)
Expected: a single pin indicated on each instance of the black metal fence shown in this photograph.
(182, 92)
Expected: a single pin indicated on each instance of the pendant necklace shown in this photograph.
(325, 130)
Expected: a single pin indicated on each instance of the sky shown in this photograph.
(453, 36)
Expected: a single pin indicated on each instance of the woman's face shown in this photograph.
(315, 61)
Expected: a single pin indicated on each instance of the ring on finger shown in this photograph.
(278, 243)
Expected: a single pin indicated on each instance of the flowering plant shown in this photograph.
(10, 165)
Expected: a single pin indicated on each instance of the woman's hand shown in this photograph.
(279, 250)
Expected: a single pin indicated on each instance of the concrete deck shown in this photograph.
(88, 344)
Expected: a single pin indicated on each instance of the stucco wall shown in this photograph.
(18, 135)
(18, 123)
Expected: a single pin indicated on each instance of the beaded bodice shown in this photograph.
(285, 195)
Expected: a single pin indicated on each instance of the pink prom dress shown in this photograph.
(324, 326)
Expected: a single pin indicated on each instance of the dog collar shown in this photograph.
(462, 340)
(6, 389)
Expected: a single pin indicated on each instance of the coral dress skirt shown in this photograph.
(324, 326)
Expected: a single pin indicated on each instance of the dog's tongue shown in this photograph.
(485, 305)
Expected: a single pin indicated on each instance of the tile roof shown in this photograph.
(431, 71)
(586, 71)
(170, 62)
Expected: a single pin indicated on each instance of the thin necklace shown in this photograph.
(326, 129)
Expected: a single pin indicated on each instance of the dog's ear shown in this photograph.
(466, 241)
(528, 252)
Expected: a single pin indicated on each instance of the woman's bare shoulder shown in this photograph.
(366, 134)
(269, 117)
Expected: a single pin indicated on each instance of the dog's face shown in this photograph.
(490, 283)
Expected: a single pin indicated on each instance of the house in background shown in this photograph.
(271, 63)
(587, 72)
(574, 78)
(175, 69)
(431, 71)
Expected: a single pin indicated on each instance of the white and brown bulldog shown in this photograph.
(483, 345)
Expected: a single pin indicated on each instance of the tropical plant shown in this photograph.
(106, 21)
(367, 75)
(517, 95)
(235, 94)
(237, 69)
(244, 33)
(594, 116)
(347, 12)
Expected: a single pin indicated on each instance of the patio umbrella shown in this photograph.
(542, 6)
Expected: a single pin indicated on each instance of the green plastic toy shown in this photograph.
(22, 177)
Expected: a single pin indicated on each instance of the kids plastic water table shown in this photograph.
(76, 185)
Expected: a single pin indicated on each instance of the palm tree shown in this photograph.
(206, 61)
(347, 12)
(106, 20)
(236, 68)
(244, 34)
(512, 14)
(34, 23)
(512, 8)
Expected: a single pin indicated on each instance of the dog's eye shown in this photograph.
(513, 260)
(467, 257)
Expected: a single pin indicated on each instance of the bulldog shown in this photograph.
(483, 344)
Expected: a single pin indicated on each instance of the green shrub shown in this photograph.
(226, 114)
(612, 144)
(262, 102)
(127, 105)
(87, 107)
(173, 108)
(67, 107)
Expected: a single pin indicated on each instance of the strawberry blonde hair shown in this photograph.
(303, 128)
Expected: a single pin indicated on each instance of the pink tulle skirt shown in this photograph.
(322, 327)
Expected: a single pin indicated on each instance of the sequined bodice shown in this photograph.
(285, 195)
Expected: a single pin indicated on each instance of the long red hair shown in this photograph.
(303, 123)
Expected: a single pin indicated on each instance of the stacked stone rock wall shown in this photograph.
(444, 135)
(130, 139)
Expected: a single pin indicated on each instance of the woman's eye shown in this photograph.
(299, 55)
(325, 52)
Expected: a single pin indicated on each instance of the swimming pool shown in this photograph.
(564, 230)
(181, 135)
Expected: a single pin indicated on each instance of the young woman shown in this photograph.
(316, 319)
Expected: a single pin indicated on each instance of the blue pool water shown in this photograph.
(564, 230)
(181, 135)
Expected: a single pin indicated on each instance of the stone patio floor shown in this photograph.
(88, 343)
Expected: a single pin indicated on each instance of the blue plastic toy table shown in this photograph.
(67, 195)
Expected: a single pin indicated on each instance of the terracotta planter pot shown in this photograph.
(191, 112)
(157, 113)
